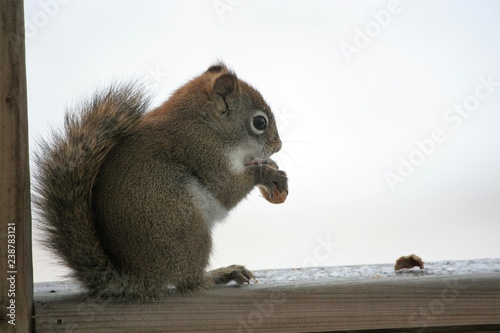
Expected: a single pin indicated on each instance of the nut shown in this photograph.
(276, 197)
(409, 261)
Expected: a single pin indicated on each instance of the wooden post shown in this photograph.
(16, 271)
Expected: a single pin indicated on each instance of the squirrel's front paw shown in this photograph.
(236, 273)
(274, 184)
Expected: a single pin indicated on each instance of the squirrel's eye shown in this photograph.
(259, 122)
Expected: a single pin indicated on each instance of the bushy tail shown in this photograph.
(67, 166)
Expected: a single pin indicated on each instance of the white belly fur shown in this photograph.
(210, 208)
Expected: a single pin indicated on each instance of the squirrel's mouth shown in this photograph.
(266, 153)
(256, 161)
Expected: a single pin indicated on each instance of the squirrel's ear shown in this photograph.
(225, 84)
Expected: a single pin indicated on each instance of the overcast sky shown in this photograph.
(389, 113)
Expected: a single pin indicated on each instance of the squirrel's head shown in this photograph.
(240, 114)
(220, 107)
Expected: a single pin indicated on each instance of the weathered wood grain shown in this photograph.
(399, 304)
(16, 277)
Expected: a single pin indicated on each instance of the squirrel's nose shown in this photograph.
(276, 145)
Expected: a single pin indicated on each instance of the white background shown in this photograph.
(354, 85)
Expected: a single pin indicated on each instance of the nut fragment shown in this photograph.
(276, 197)
(409, 261)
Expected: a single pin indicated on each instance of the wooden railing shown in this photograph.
(422, 303)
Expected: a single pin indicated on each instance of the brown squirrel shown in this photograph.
(128, 198)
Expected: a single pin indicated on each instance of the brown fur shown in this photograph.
(127, 197)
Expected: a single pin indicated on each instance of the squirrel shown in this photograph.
(128, 197)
